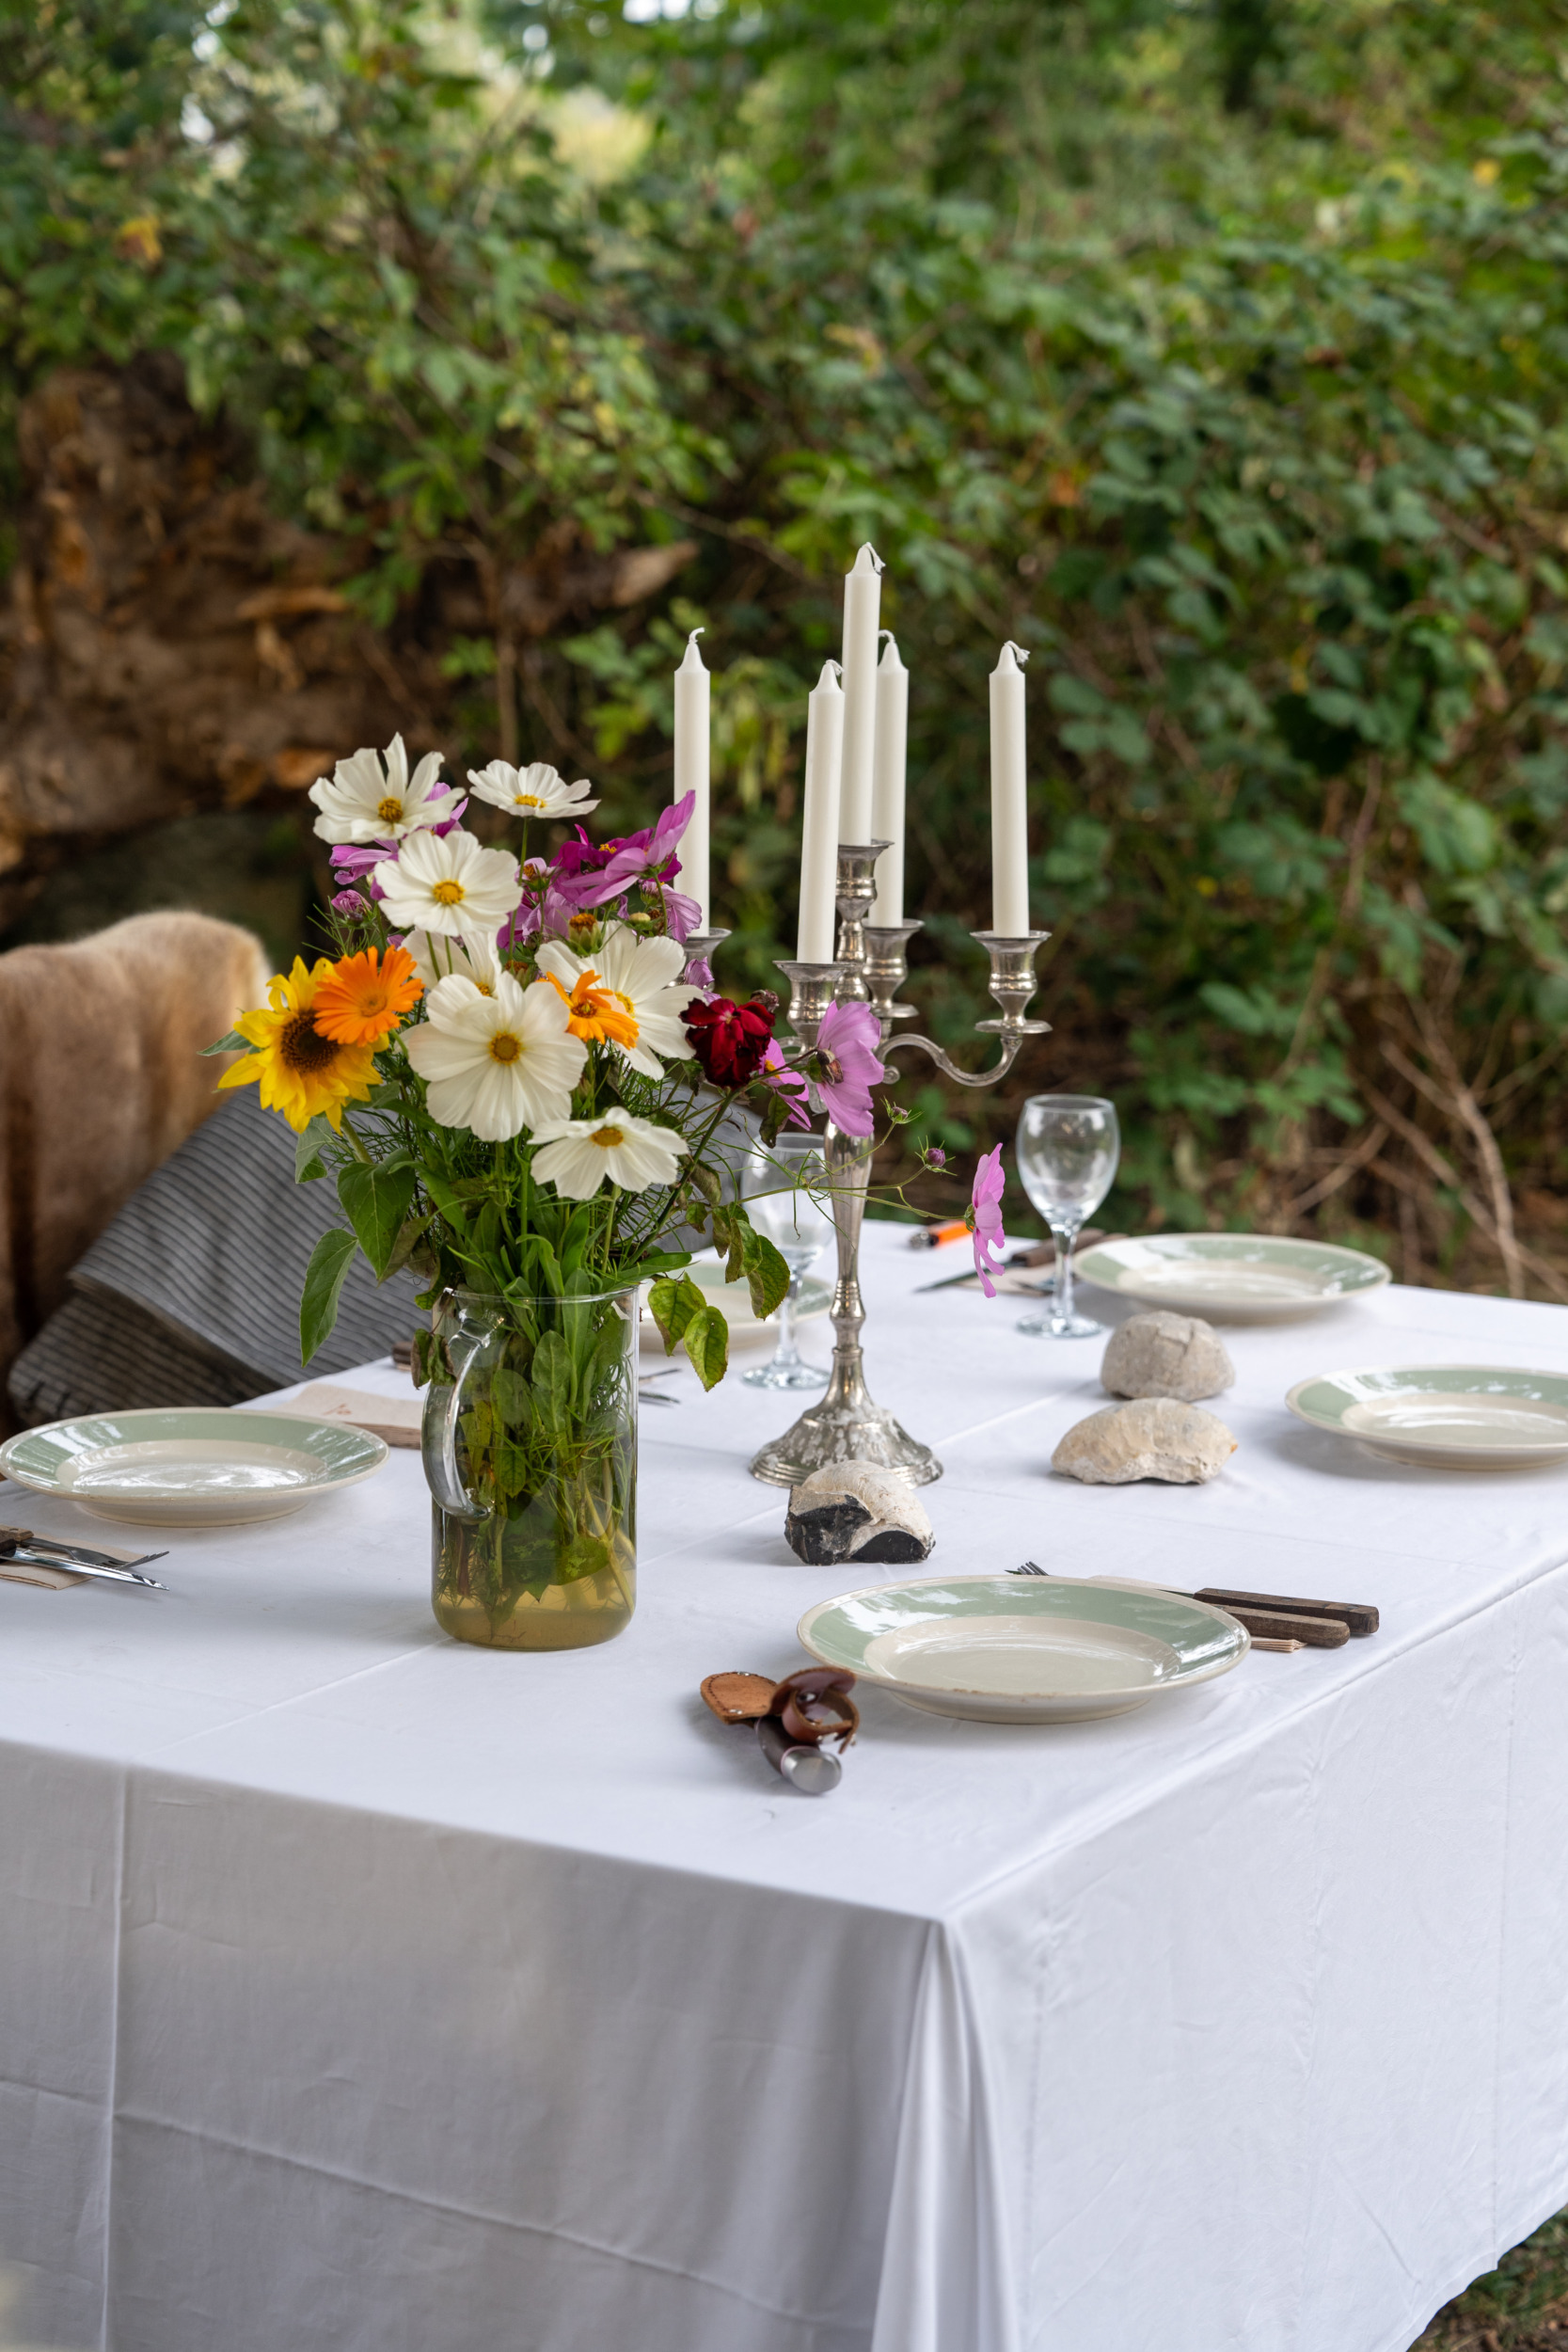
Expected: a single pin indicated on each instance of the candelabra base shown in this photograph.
(845, 1430)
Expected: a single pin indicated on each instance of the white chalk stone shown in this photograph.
(1156, 1437)
(1166, 1355)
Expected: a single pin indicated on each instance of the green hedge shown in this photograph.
(1217, 358)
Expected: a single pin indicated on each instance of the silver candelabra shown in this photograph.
(847, 1425)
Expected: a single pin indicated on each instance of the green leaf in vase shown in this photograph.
(553, 1385)
(329, 1263)
(766, 1272)
(511, 1397)
(585, 1555)
(707, 1343)
(517, 1474)
(672, 1305)
(377, 1196)
(315, 1136)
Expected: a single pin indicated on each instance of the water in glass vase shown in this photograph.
(530, 1442)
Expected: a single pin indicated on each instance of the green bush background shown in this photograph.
(1215, 354)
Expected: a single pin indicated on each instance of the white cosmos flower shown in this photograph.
(578, 1154)
(373, 797)
(539, 791)
(473, 959)
(449, 884)
(495, 1064)
(623, 994)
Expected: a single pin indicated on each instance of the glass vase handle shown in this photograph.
(439, 1430)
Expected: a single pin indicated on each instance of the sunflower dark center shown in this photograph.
(302, 1046)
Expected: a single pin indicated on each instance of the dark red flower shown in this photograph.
(730, 1040)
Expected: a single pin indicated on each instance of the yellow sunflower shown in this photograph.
(301, 1071)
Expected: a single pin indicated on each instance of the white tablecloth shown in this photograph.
(364, 1993)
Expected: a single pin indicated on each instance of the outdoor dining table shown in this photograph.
(363, 1991)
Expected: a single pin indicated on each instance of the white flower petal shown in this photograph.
(556, 956)
(442, 1053)
(425, 778)
(639, 966)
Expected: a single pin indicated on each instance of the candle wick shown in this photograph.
(1020, 653)
(701, 630)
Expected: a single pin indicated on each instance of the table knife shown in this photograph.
(950, 1281)
(69, 1566)
(46, 1552)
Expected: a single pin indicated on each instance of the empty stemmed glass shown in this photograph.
(799, 1222)
(1067, 1149)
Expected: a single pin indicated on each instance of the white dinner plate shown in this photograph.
(1231, 1278)
(1021, 1650)
(196, 1468)
(733, 1301)
(1443, 1416)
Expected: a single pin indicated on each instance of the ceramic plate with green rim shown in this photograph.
(1021, 1650)
(1443, 1416)
(194, 1468)
(1233, 1277)
(733, 1302)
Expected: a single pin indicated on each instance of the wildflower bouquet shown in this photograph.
(518, 1086)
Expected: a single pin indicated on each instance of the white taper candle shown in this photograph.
(1009, 797)
(816, 935)
(863, 605)
(887, 792)
(692, 775)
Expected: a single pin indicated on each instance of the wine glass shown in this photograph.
(1067, 1149)
(784, 1198)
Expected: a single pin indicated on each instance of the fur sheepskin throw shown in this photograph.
(102, 1078)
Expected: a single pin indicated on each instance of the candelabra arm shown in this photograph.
(949, 1068)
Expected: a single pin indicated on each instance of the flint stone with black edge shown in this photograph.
(857, 1511)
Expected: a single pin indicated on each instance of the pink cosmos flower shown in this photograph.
(591, 874)
(348, 902)
(847, 1067)
(984, 1218)
(776, 1074)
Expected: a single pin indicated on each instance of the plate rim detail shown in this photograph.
(926, 1694)
(364, 1452)
(1413, 1442)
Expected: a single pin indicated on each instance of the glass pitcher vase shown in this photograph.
(529, 1445)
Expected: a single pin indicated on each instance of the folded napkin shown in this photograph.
(393, 1419)
(52, 1580)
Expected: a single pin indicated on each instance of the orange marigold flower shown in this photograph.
(596, 1011)
(360, 1002)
